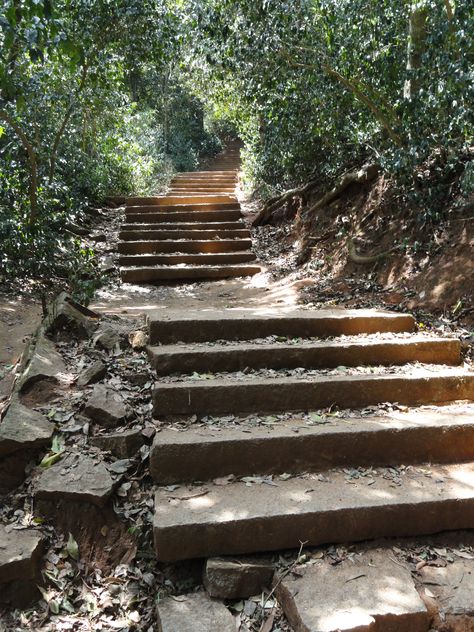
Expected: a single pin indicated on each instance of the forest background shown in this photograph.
(103, 97)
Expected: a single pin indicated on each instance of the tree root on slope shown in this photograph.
(365, 174)
(356, 258)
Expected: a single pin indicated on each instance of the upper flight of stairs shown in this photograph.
(208, 365)
(194, 232)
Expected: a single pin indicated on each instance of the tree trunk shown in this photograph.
(417, 35)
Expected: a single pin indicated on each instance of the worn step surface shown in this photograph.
(196, 259)
(210, 325)
(412, 437)
(157, 235)
(368, 592)
(185, 273)
(232, 215)
(161, 211)
(235, 225)
(238, 518)
(227, 395)
(237, 357)
(194, 245)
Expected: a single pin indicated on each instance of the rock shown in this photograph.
(449, 593)
(106, 407)
(23, 429)
(195, 612)
(20, 557)
(368, 592)
(94, 373)
(107, 264)
(45, 363)
(138, 340)
(121, 444)
(99, 237)
(107, 338)
(20, 551)
(77, 478)
(66, 315)
(237, 578)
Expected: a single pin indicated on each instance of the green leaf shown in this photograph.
(72, 548)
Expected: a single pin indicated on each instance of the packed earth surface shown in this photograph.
(236, 435)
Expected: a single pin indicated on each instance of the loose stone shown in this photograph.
(193, 613)
(76, 478)
(106, 407)
(237, 578)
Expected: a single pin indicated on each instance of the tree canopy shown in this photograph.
(111, 96)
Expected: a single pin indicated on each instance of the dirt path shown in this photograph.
(19, 319)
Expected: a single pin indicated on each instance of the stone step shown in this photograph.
(196, 185)
(152, 209)
(167, 200)
(197, 259)
(191, 273)
(240, 518)
(158, 235)
(173, 246)
(185, 226)
(254, 395)
(232, 182)
(232, 215)
(196, 191)
(234, 324)
(314, 355)
(232, 173)
(294, 447)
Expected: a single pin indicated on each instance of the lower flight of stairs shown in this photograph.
(194, 232)
(288, 472)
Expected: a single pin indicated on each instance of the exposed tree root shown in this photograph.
(356, 258)
(276, 202)
(366, 174)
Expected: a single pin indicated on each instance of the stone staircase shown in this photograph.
(313, 477)
(194, 232)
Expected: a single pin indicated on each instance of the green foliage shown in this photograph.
(81, 118)
(324, 84)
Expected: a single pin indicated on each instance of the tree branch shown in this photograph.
(66, 119)
(356, 91)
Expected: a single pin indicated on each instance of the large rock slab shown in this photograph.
(450, 593)
(106, 407)
(77, 477)
(45, 363)
(20, 552)
(23, 429)
(366, 593)
(237, 578)
(193, 613)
